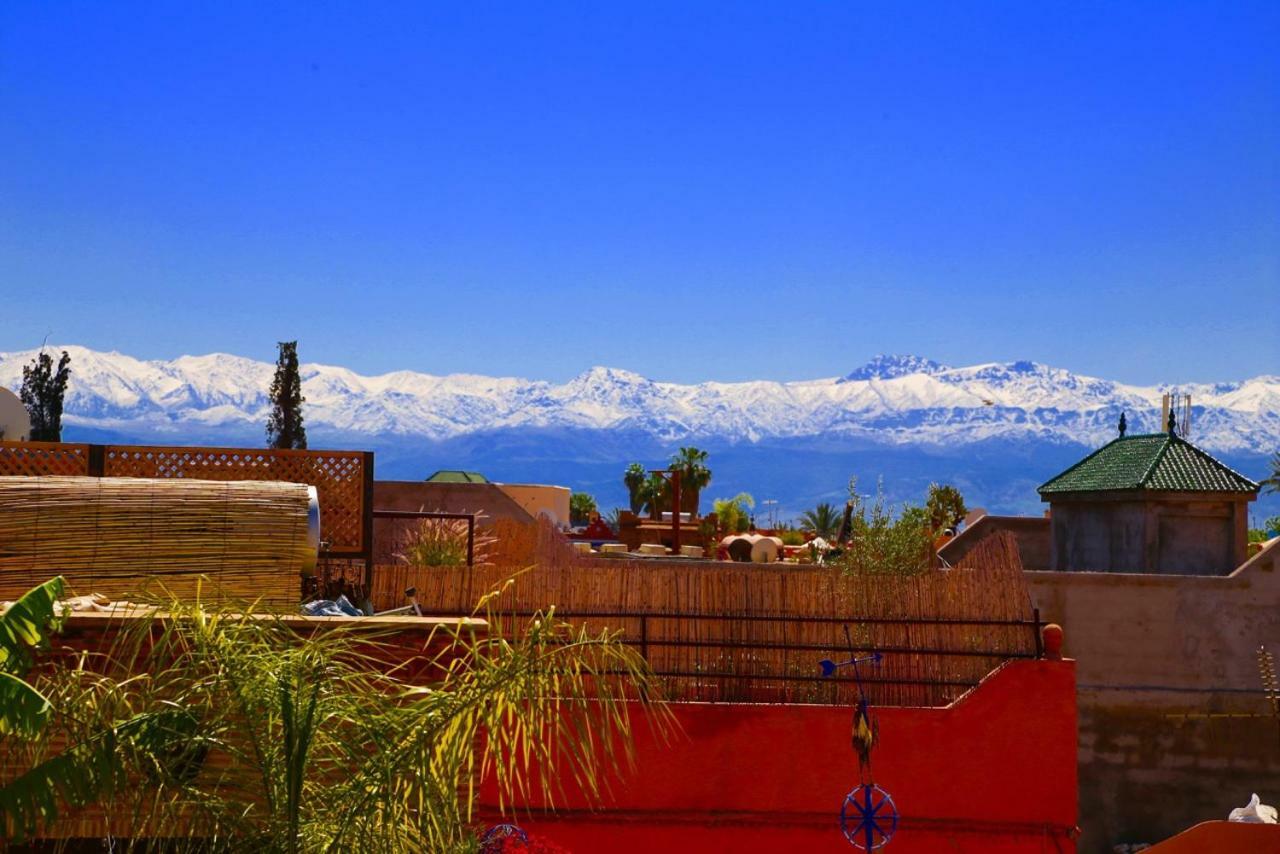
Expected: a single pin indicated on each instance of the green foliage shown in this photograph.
(23, 709)
(656, 493)
(442, 542)
(318, 747)
(734, 514)
(25, 626)
(822, 521)
(791, 537)
(1270, 528)
(694, 476)
(635, 477)
(284, 427)
(581, 506)
(613, 519)
(945, 506)
(42, 391)
(1271, 483)
(94, 768)
(883, 541)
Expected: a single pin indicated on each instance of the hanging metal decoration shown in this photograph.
(868, 816)
(492, 839)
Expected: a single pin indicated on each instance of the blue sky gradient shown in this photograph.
(690, 191)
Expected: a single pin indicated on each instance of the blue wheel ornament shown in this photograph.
(868, 817)
(492, 838)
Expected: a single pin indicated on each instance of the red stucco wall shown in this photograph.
(994, 772)
(1221, 837)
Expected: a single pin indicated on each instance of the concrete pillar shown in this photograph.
(1239, 533)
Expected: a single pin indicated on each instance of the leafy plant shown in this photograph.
(235, 732)
(734, 514)
(822, 521)
(443, 542)
(883, 541)
(25, 626)
(42, 391)
(945, 506)
(1270, 528)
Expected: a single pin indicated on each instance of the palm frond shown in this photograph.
(24, 711)
(85, 772)
(26, 625)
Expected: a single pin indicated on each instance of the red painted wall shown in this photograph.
(995, 772)
(1222, 837)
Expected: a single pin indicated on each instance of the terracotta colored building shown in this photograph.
(1150, 503)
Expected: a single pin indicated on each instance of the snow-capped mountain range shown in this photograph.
(892, 400)
(995, 430)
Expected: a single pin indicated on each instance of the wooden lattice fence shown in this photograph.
(43, 458)
(343, 479)
(746, 632)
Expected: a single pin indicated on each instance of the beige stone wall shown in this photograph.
(1168, 533)
(1168, 678)
(538, 499)
(1030, 532)
(484, 498)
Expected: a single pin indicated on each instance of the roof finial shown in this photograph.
(1173, 422)
(1123, 425)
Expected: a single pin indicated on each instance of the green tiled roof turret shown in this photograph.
(1156, 461)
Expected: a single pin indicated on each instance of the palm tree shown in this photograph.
(635, 477)
(694, 477)
(581, 506)
(822, 521)
(1272, 483)
(250, 734)
(655, 495)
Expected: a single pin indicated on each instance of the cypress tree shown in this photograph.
(42, 391)
(284, 427)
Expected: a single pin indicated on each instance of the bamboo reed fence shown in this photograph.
(746, 632)
(343, 479)
(125, 537)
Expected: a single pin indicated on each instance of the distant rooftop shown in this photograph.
(1155, 461)
(453, 476)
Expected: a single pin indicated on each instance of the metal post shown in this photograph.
(675, 512)
(1039, 637)
(644, 637)
(97, 460)
(471, 540)
(366, 521)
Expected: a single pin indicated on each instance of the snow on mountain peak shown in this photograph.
(885, 367)
(897, 400)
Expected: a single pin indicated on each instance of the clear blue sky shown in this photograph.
(691, 191)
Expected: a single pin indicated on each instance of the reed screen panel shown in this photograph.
(754, 632)
(343, 479)
(131, 537)
(338, 476)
